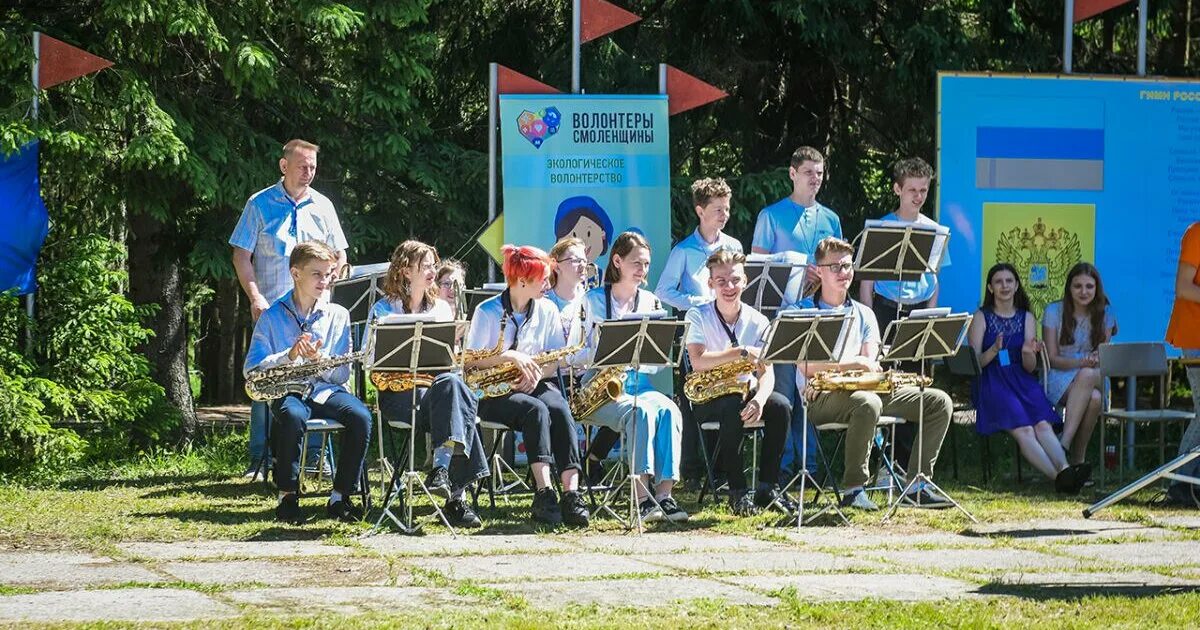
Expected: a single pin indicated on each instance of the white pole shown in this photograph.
(493, 106)
(1141, 50)
(29, 312)
(662, 78)
(1068, 33)
(576, 33)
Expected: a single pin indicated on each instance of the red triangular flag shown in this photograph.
(59, 61)
(685, 91)
(510, 81)
(598, 18)
(1085, 9)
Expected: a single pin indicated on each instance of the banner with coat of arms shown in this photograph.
(589, 166)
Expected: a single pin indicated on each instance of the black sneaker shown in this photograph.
(672, 511)
(928, 499)
(459, 513)
(650, 512)
(773, 495)
(595, 472)
(545, 507)
(1067, 481)
(344, 510)
(288, 511)
(1181, 494)
(438, 482)
(741, 503)
(574, 511)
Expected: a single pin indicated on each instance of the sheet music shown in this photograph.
(789, 258)
(940, 311)
(659, 314)
(494, 286)
(366, 271)
(407, 318)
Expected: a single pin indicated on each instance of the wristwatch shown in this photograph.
(744, 353)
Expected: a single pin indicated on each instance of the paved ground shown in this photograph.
(214, 579)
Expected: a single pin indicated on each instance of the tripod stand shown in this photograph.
(798, 337)
(1166, 471)
(422, 346)
(633, 344)
(924, 335)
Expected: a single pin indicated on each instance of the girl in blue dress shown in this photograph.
(1074, 329)
(1007, 396)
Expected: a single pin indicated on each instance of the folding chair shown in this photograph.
(709, 483)
(504, 480)
(1129, 361)
(325, 428)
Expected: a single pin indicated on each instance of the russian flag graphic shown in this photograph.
(1039, 158)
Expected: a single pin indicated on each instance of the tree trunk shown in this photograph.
(156, 277)
(226, 327)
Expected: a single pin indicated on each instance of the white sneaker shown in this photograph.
(859, 501)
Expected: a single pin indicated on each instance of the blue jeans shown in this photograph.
(654, 429)
(290, 414)
(785, 384)
(258, 435)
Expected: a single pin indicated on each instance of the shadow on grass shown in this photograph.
(171, 481)
(1067, 592)
(222, 487)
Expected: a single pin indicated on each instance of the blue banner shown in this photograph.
(589, 166)
(1043, 172)
(24, 218)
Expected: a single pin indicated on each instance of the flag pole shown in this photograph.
(37, 48)
(493, 98)
(576, 32)
(1141, 42)
(1068, 34)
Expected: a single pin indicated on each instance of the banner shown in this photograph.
(588, 166)
(25, 220)
(1043, 172)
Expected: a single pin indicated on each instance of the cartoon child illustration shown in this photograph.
(583, 218)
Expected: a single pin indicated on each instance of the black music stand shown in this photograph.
(774, 281)
(357, 293)
(925, 334)
(895, 250)
(633, 344)
(420, 346)
(475, 296)
(800, 337)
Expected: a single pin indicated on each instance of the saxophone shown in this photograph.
(273, 383)
(701, 387)
(498, 380)
(608, 384)
(400, 381)
(859, 381)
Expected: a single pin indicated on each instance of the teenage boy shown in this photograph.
(302, 327)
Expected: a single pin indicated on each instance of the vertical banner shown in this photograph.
(588, 166)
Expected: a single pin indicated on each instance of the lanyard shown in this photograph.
(733, 341)
(608, 304)
(305, 325)
(506, 303)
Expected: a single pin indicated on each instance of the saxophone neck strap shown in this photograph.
(608, 303)
(506, 303)
(733, 340)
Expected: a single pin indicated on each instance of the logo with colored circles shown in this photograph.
(537, 128)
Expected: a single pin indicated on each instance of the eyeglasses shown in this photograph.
(843, 267)
(571, 261)
(425, 268)
(446, 284)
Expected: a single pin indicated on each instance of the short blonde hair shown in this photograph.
(297, 144)
(709, 188)
(832, 245)
(806, 154)
(725, 256)
(309, 251)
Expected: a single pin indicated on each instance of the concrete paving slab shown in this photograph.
(1129, 578)
(127, 604)
(67, 569)
(668, 542)
(787, 561)
(533, 567)
(231, 549)
(657, 591)
(1141, 554)
(343, 600)
(1187, 522)
(481, 544)
(855, 538)
(856, 586)
(312, 571)
(984, 560)
(1068, 529)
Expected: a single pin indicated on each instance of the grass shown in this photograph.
(199, 495)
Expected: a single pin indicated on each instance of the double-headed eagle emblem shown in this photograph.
(1042, 258)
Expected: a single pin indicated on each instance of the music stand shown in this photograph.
(774, 281)
(633, 344)
(895, 250)
(420, 346)
(475, 296)
(799, 337)
(357, 293)
(925, 334)
(1166, 471)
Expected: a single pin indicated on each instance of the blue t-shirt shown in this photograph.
(786, 227)
(911, 291)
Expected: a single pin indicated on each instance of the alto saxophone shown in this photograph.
(701, 387)
(400, 381)
(861, 381)
(272, 383)
(608, 384)
(499, 380)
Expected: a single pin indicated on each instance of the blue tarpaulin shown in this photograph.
(23, 220)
